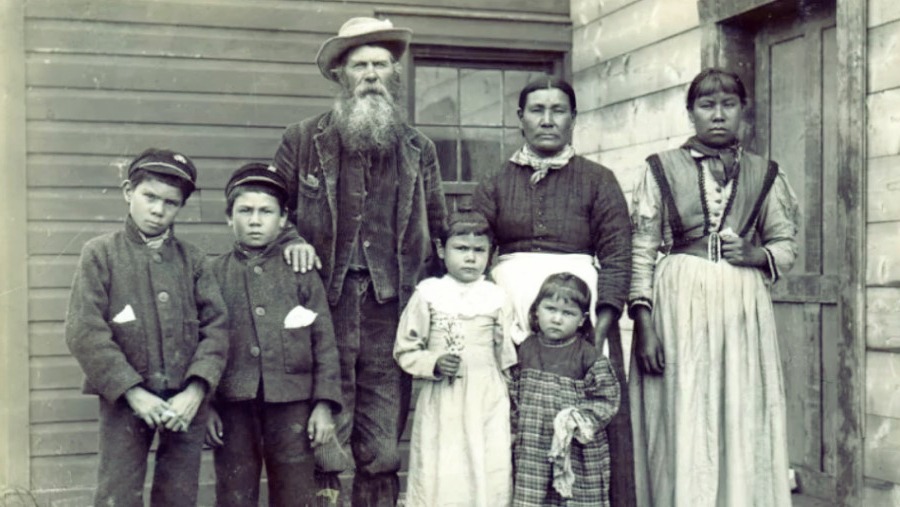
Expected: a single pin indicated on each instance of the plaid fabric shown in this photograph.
(538, 397)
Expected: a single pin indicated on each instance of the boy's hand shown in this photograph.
(321, 424)
(148, 406)
(447, 365)
(184, 406)
(301, 256)
(214, 429)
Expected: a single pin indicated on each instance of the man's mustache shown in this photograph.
(370, 89)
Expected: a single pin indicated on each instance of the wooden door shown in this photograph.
(796, 125)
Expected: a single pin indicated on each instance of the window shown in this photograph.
(466, 102)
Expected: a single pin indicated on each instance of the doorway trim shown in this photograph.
(725, 45)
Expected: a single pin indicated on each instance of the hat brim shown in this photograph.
(167, 169)
(395, 39)
(255, 179)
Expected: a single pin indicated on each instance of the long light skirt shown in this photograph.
(711, 430)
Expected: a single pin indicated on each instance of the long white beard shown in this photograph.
(370, 122)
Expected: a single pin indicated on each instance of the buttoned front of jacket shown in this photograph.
(281, 330)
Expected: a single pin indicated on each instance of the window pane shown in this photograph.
(480, 97)
(513, 82)
(437, 89)
(445, 142)
(480, 152)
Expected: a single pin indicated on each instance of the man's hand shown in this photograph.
(148, 406)
(321, 424)
(184, 406)
(214, 429)
(301, 256)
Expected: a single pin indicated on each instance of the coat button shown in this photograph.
(366, 244)
(157, 258)
(254, 351)
(163, 297)
(260, 311)
(258, 270)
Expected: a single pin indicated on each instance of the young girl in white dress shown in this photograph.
(456, 335)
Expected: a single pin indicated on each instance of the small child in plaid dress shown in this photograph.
(564, 395)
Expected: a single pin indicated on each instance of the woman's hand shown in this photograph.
(214, 429)
(739, 252)
(321, 424)
(649, 350)
(447, 365)
(148, 406)
(301, 256)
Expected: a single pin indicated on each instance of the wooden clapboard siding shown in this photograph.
(883, 318)
(882, 11)
(216, 79)
(883, 189)
(884, 55)
(883, 123)
(882, 247)
(637, 25)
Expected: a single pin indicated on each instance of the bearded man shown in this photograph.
(367, 193)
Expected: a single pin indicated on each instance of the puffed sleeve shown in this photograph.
(601, 393)
(647, 237)
(507, 330)
(411, 347)
(777, 226)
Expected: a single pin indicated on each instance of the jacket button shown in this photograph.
(258, 270)
(260, 311)
(254, 351)
(157, 258)
(163, 297)
(366, 244)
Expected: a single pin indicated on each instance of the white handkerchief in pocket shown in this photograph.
(299, 317)
(126, 315)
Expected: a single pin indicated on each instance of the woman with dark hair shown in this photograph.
(707, 391)
(551, 211)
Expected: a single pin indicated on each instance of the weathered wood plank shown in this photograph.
(797, 367)
(882, 11)
(299, 16)
(883, 318)
(64, 472)
(80, 204)
(637, 121)
(560, 7)
(883, 384)
(57, 238)
(883, 448)
(46, 339)
(59, 439)
(883, 129)
(47, 305)
(881, 494)
(882, 261)
(159, 74)
(666, 64)
(51, 271)
(628, 162)
(538, 35)
(128, 139)
(51, 36)
(883, 189)
(884, 57)
(637, 25)
(61, 372)
(62, 406)
(586, 11)
(171, 108)
(109, 171)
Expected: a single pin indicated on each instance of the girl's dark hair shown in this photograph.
(545, 83)
(462, 223)
(240, 190)
(568, 288)
(139, 176)
(712, 80)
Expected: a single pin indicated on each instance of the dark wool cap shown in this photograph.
(165, 162)
(256, 172)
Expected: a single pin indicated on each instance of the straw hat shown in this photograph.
(358, 32)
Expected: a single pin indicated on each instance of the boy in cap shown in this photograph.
(281, 386)
(148, 325)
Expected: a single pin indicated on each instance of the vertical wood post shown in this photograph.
(852, 33)
(14, 380)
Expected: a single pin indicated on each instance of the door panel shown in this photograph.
(796, 126)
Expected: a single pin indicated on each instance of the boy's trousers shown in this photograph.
(125, 441)
(274, 433)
